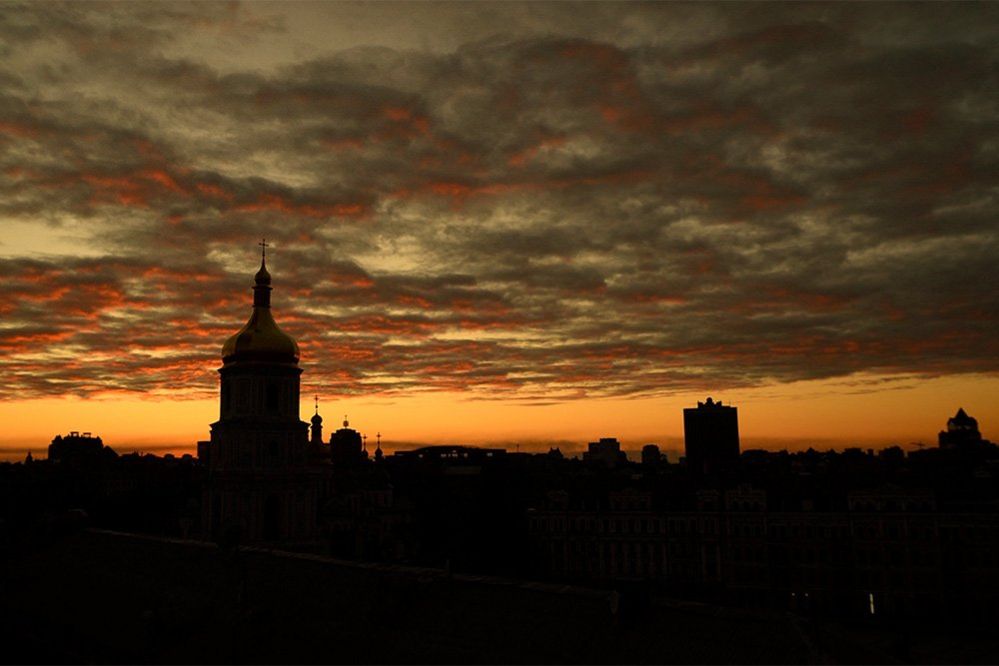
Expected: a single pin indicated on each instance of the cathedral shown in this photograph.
(267, 479)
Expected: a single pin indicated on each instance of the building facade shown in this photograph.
(890, 552)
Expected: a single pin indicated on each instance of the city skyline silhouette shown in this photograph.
(521, 332)
(571, 447)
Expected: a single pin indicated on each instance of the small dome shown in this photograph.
(262, 277)
(317, 418)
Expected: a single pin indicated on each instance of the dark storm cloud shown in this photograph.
(785, 193)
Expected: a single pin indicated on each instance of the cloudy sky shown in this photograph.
(575, 218)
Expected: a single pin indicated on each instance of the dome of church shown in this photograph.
(261, 339)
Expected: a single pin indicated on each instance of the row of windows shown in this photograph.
(739, 505)
(806, 556)
(629, 505)
(879, 568)
(874, 530)
(607, 559)
(601, 559)
(243, 395)
(807, 531)
(708, 527)
(889, 506)
(624, 525)
(969, 533)
(252, 454)
(607, 525)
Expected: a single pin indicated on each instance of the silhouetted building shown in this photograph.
(607, 451)
(651, 455)
(318, 450)
(711, 436)
(317, 428)
(347, 445)
(850, 534)
(962, 431)
(258, 480)
(79, 449)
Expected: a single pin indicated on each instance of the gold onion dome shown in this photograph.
(260, 339)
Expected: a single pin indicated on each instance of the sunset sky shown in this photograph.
(503, 223)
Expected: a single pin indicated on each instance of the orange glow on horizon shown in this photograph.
(824, 414)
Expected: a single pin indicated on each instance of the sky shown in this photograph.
(532, 224)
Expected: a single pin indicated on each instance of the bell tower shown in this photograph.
(258, 446)
(258, 426)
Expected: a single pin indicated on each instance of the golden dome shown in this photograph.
(260, 339)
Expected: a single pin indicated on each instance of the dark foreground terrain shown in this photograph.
(90, 596)
(97, 596)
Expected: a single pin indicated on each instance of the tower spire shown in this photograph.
(261, 337)
(262, 280)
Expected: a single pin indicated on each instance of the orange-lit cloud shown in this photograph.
(579, 208)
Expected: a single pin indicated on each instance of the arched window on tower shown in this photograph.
(272, 398)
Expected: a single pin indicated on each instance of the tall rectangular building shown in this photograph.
(711, 435)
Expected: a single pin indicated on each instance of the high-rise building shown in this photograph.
(711, 435)
(962, 431)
